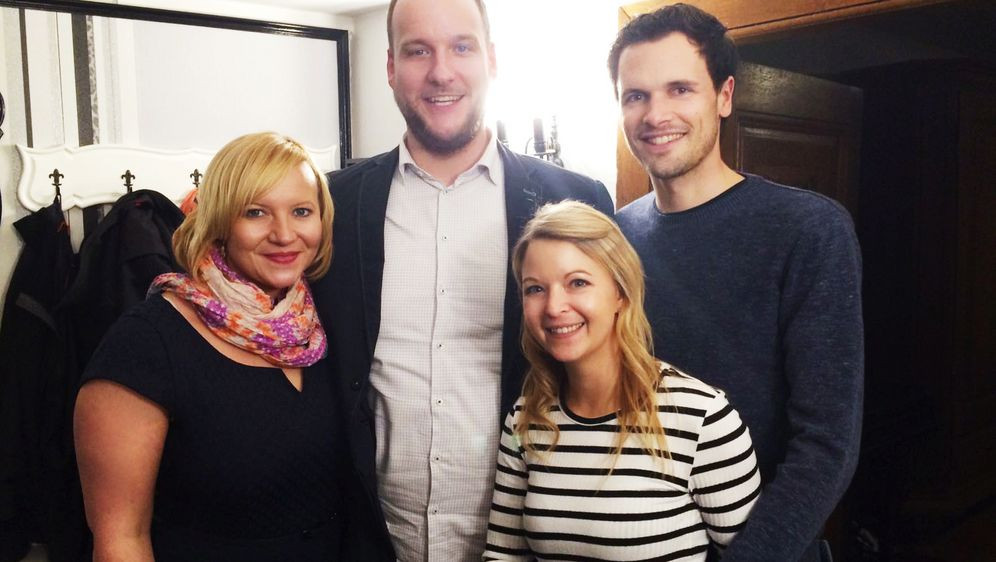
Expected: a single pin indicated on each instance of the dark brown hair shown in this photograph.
(701, 27)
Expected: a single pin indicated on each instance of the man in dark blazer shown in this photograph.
(440, 62)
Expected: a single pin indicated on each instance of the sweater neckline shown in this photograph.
(583, 420)
(717, 204)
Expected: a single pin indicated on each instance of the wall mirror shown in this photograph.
(80, 73)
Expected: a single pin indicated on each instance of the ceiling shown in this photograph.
(344, 7)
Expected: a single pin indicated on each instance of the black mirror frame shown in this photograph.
(339, 36)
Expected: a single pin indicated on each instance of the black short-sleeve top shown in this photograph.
(250, 465)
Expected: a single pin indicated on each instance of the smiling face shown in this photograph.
(277, 236)
(670, 108)
(439, 67)
(569, 305)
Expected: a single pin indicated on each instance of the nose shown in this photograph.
(282, 231)
(659, 110)
(441, 71)
(556, 301)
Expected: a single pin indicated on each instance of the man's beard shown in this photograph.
(433, 142)
(697, 153)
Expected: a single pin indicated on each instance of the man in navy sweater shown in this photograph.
(752, 286)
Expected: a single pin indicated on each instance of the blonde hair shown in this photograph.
(598, 237)
(244, 170)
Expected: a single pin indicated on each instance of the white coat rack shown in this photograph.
(96, 174)
(102, 173)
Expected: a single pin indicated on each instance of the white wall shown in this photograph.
(551, 61)
(234, 8)
(189, 94)
(377, 123)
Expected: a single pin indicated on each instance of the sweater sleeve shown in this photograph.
(823, 355)
(725, 480)
(506, 535)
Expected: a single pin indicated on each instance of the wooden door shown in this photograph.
(790, 128)
(754, 19)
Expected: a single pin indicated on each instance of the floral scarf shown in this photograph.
(288, 334)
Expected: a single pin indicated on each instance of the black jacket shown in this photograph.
(348, 300)
(118, 261)
(36, 392)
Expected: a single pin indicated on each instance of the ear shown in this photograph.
(492, 61)
(390, 67)
(724, 100)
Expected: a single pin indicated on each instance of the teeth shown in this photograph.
(566, 329)
(664, 139)
(444, 100)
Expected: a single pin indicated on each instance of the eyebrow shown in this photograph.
(682, 84)
(407, 44)
(467, 37)
(298, 204)
(568, 274)
(669, 85)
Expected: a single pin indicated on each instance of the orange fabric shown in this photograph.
(189, 202)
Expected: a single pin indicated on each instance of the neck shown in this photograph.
(593, 390)
(447, 167)
(703, 183)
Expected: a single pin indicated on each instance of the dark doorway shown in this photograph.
(924, 210)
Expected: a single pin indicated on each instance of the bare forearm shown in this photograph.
(120, 548)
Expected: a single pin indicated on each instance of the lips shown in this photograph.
(658, 139)
(443, 100)
(564, 330)
(282, 258)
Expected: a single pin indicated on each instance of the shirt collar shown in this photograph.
(489, 165)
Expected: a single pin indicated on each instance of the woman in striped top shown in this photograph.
(609, 454)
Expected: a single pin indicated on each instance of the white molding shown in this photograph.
(92, 174)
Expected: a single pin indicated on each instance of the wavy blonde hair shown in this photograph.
(244, 170)
(598, 237)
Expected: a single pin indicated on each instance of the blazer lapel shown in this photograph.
(372, 208)
(522, 197)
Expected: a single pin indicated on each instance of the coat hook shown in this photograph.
(3, 112)
(56, 177)
(197, 175)
(127, 177)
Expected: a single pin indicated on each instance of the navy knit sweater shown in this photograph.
(758, 292)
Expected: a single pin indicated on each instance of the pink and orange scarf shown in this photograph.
(287, 334)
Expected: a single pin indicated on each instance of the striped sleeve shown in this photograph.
(506, 535)
(725, 481)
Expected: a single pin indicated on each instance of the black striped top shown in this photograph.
(566, 504)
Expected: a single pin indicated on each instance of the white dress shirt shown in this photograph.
(436, 370)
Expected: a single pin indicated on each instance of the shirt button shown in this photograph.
(440, 402)
(306, 534)
(442, 291)
(446, 237)
(355, 385)
(439, 346)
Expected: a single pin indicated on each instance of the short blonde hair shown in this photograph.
(599, 238)
(244, 170)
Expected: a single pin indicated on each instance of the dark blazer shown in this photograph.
(348, 300)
